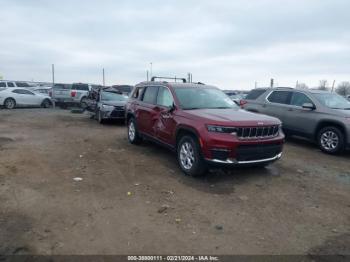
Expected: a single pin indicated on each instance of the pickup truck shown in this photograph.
(76, 93)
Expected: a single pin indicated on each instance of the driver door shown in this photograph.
(165, 124)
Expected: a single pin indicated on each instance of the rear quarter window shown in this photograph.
(280, 97)
(83, 87)
(255, 94)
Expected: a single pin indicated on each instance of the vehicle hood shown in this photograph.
(232, 117)
(114, 103)
(342, 112)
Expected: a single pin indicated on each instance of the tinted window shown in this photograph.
(298, 99)
(22, 91)
(10, 84)
(165, 98)
(150, 95)
(254, 94)
(83, 87)
(138, 92)
(280, 97)
(2, 84)
(61, 86)
(22, 84)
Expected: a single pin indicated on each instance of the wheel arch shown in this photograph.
(330, 123)
(185, 130)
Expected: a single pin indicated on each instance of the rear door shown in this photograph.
(297, 119)
(165, 124)
(277, 104)
(146, 111)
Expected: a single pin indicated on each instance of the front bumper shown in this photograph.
(236, 162)
(227, 149)
(113, 114)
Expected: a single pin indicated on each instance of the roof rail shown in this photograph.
(173, 78)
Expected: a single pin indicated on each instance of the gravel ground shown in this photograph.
(134, 199)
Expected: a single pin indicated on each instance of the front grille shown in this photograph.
(119, 108)
(257, 152)
(257, 132)
(118, 113)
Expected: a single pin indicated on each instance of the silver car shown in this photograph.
(106, 103)
(320, 116)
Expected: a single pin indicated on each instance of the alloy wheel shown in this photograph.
(132, 131)
(187, 155)
(329, 140)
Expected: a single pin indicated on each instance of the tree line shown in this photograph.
(343, 88)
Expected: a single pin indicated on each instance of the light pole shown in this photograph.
(53, 83)
(151, 70)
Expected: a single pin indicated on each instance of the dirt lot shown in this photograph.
(134, 199)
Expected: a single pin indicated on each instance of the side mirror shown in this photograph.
(309, 106)
(172, 108)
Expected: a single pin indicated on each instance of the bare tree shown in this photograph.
(302, 86)
(343, 88)
(323, 85)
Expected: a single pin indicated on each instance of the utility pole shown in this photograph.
(147, 75)
(271, 83)
(297, 84)
(151, 69)
(333, 86)
(53, 83)
(103, 77)
(256, 85)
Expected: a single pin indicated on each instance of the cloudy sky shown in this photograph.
(227, 43)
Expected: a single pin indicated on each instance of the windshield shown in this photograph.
(333, 101)
(203, 98)
(110, 96)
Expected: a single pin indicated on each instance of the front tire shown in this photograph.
(99, 117)
(9, 103)
(331, 140)
(133, 134)
(46, 103)
(190, 158)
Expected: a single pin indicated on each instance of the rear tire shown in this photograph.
(83, 103)
(133, 134)
(331, 140)
(9, 103)
(190, 158)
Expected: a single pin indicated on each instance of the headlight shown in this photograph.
(107, 107)
(221, 129)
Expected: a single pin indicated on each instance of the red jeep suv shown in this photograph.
(202, 125)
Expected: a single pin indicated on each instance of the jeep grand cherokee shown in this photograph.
(202, 125)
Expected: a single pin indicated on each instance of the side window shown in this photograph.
(10, 84)
(138, 92)
(298, 99)
(164, 97)
(2, 84)
(255, 94)
(83, 87)
(280, 97)
(150, 95)
(22, 91)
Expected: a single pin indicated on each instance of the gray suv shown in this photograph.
(321, 116)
